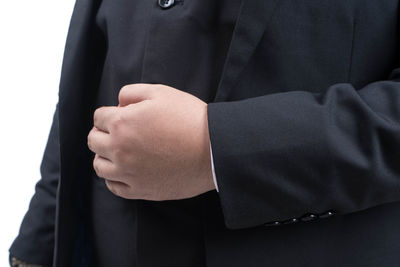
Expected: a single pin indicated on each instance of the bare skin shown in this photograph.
(154, 145)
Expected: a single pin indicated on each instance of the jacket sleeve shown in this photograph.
(287, 155)
(35, 241)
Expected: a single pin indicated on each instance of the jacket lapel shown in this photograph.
(250, 25)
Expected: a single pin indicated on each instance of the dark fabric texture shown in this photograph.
(304, 119)
(35, 241)
(315, 145)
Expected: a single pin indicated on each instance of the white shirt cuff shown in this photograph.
(213, 170)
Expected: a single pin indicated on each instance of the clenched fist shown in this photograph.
(154, 145)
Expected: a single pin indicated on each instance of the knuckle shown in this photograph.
(114, 188)
(159, 86)
(96, 167)
(89, 143)
(96, 115)
(110, 186)
(123, 91)
(125, 159)
(116, 123)
(154, 89)
(90, 139)
(126, 87)
(119, 153)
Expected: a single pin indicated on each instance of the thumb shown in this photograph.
(134, 93)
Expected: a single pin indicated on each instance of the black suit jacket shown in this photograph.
(305, 124)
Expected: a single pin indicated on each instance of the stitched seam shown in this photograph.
(147, 41)
(355, 22)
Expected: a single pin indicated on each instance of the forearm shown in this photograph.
(286, 155)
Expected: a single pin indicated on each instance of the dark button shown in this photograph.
(166, 3)
(272, 223)
(327, 214)
(294, 220)
(309, 217)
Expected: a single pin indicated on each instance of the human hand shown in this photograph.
(154, 145)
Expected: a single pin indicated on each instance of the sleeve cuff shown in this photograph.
(213, 170)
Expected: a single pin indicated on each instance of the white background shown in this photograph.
(32, 39)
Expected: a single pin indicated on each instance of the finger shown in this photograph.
(134, 93)
(104, 168)
(118, 188)
(99, 143)
(103, 117)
